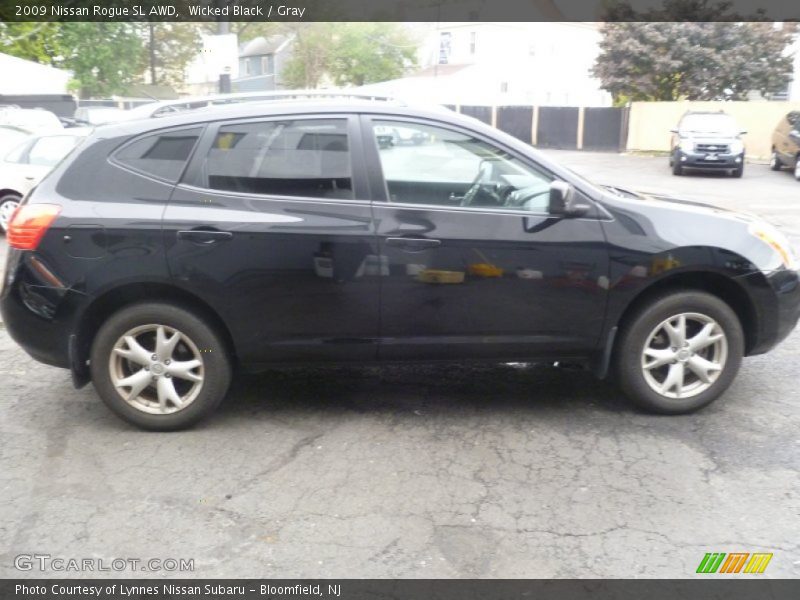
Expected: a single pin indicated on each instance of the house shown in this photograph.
(261, 62)
(544, 64)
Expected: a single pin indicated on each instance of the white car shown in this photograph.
(26, 165)
(35, 120)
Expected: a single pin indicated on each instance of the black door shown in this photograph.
(273, 228)
(473, 266)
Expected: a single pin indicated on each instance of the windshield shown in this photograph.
(709, 124)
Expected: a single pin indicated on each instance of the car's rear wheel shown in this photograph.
(679, 352)
(797, 169)
(159, 366)
(775, 162)
(8, 204)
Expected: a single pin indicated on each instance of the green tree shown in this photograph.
(104, 57)
(347, 53)
(371, 52)
(693, 61)
(39, 42)
(170, 47)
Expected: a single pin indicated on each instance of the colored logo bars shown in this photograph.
(736, 562)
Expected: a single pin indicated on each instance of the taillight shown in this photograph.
(29, 223)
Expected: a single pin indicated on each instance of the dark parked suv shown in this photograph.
(166, 253)
(707, 141)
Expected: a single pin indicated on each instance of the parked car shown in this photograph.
(35, 120)
(166, 252)
(707, 141)
(99, 115)
(24, 167)
(11, 136)
(786, 144)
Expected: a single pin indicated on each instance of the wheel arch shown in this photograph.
(102, 307)
(9, 191)
(714, 283)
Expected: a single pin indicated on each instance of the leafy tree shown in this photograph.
(39, 42)
(312, 54)
(693, 61)
(370, 52)
(170, 47)
(347, 53)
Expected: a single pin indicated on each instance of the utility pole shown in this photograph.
(223, 28)
(152, 29)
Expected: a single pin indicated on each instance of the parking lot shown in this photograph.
(434, 471)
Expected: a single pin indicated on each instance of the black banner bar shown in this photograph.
(738, 588)
(399, 10)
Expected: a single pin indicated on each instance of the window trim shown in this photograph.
(195, 178)
(112, 157)
(380, 186)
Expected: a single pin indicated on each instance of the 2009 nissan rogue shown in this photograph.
(165, 253)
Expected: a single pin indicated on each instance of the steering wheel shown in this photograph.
(475, 186)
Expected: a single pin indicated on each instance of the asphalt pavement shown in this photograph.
(435, 471)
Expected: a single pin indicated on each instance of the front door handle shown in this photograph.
(205, 236)
(412, 244)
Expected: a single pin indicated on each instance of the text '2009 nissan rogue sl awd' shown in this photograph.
(165, 253)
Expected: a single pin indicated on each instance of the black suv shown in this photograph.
(707, 141)
(165, 253)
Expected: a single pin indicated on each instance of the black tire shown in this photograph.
(6, 198)
(216, 364)
(677, 168)
(738, 171)
(634, 335)
(775, 163)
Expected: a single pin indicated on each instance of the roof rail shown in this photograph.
(166, 107)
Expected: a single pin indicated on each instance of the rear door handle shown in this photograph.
(412, 244)
(205, 236)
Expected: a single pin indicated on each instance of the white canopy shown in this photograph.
(18, 76)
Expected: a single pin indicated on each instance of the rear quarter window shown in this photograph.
(162, 155)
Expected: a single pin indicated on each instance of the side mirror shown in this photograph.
(562, 201)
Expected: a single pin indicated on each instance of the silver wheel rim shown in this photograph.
(156, 369)
(684, 355)
(773, 160)
(6, 210)
(797, 169)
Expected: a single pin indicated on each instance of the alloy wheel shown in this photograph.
(156, 369)
(684, 355)
(7, 209)
(797, 170)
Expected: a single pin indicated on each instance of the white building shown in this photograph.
(544, 64)
(219, 55)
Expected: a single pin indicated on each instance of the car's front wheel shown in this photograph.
(159, 366)
(775, 162)
(797, 169)
(8, 204)
(679, 352)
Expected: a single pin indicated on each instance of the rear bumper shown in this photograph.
(38, 317)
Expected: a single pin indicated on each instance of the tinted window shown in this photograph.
(309, 158)
(162, 155)
(433, 165)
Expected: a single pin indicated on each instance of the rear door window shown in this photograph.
(302, 157)
(162, 155)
